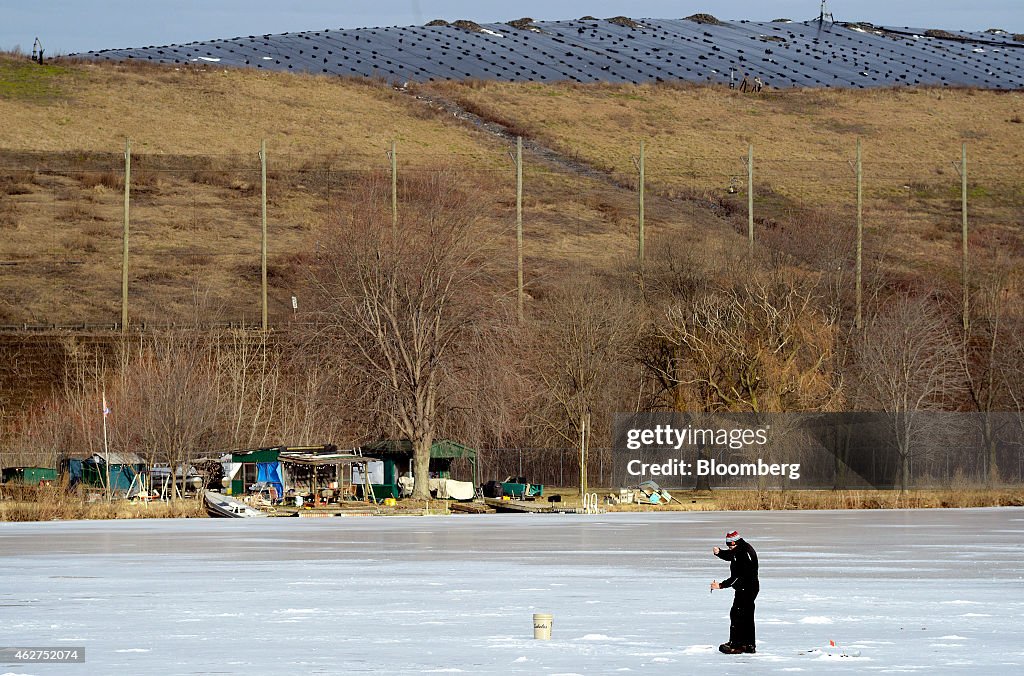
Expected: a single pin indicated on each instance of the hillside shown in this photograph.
(707, 324)
(196, 132)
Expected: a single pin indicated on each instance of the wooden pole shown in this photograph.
(394, 187)
(860, 238)
(263, 241)
(124, 236)
(519, 225)
(750, 197)
(106, 448)
(963, 262)
(583, 454)
(640, 251)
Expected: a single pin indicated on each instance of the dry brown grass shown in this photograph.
(49, 503)
(195, 178)
(734, 500)
(804, 147)
(190, 111)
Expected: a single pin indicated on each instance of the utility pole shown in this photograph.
(963, 211)
(750, 198)
(519, 224)
(124, 234)
(860, 238)
(641, 184)
(106, 448)
(263, 241)
(584, 432)
(394, 187)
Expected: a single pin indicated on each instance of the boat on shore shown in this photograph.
(222, 506)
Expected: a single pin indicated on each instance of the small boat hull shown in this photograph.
(222, 506)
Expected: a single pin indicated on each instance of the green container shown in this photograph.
(514, 490)
(30, 476)
(380, 491)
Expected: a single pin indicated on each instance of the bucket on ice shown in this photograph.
(542, 626)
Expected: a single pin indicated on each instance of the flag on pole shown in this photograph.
(106, 409)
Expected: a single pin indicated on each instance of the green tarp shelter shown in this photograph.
(397, 457)
(30, 476)
(126, 470)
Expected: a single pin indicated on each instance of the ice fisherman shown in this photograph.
(743, 579)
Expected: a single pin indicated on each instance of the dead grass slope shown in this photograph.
(804, 148)
(195, 210)
(195, 188)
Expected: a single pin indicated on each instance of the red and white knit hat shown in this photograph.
(732, 536)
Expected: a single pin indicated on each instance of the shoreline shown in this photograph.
(52, 506)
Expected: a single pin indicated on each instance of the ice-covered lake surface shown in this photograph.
(919, 591)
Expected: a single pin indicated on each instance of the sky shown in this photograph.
(68, 26)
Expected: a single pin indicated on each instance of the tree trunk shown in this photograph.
(904, 470)
(421, 468)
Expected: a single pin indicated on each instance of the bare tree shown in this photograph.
(174, 394)
(583, 342)
(405, 305)
(248, 373)
(986, 349)
(910, 363)
(756, 347)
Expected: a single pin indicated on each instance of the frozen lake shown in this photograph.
(912, 591)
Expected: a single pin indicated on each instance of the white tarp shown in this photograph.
(374, 468)
(449, 489)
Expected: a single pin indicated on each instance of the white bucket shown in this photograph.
(298, 501)
(542, 626)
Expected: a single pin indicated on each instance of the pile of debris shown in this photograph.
(704, 18)
(624, 21)
(525, 24)
(464, 24)
(646, 493)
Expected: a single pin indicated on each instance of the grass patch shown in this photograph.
(8, 214)
(28, 81)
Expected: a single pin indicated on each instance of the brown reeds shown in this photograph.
(53, 503)
(734, 500)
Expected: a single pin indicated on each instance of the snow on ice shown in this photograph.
(920, 591)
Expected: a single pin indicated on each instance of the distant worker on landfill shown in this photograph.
(743, 578)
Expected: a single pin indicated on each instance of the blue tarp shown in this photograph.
(269, 473)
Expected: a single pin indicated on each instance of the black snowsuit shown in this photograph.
(743, 578)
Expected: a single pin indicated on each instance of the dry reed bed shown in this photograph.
(76, 509)
(53, 506)
(781, 500)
